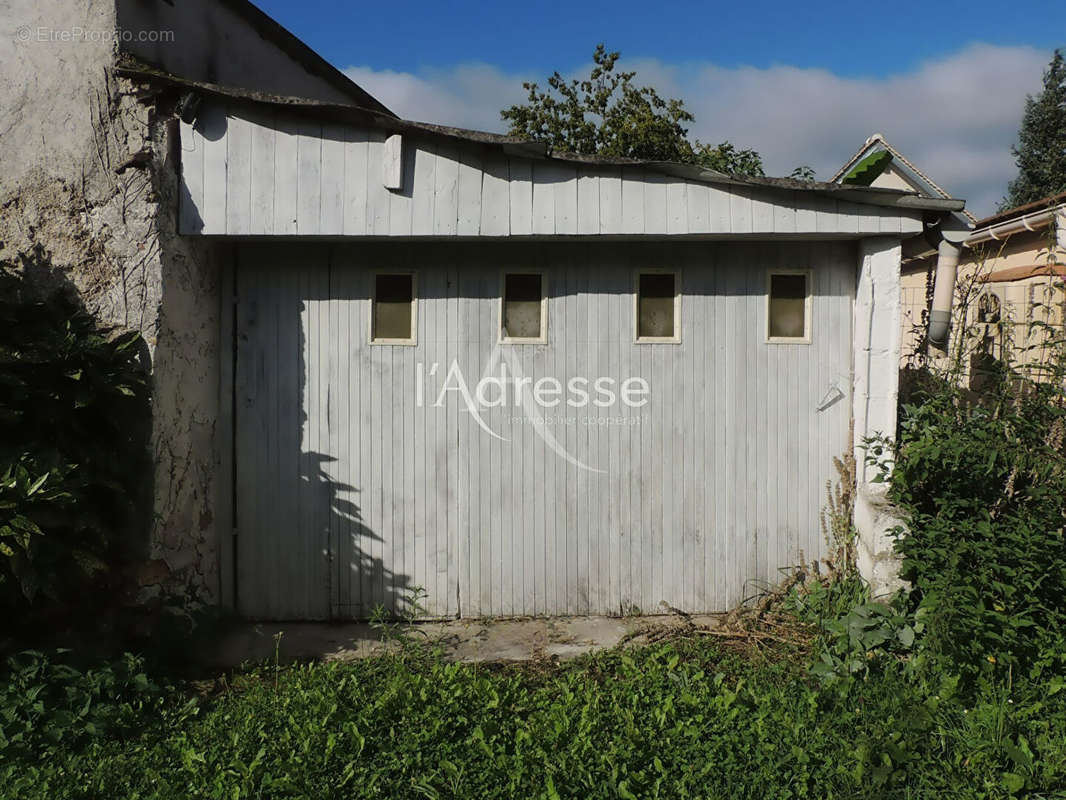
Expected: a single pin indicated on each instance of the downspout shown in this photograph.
(947, 267)
(948, 236)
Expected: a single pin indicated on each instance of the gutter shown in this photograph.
(1026, 222)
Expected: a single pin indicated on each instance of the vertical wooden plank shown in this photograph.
(262, 177)
(848, 217)
(804, 210)
(655, 212)
(719, 219)
(555, 467)
(611, 200)
(469, 223)
(214, 124)
(740, 210)
(869, 219)
(698, 207)
(286, 187)
(378, 198)
(190, 206)
(565, 186)
(543, 198)
(343, 438)
(785, 214)
(762, 212)
(520, 191)
(369, 448)
(677, 207)
(446, 192)
(333, 184)
(295, 393)
(355, 182)
(423, 192)
(573, 316)
(413, 494)
(890, 220)
(633, 212)
(826, 219)
(588, 202)
(334, 440)
(238, 176)
(309, 178)
(754, 421)
(495, 202)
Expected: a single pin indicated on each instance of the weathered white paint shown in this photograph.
(876, 346)
(349, 491)
(469, 190)
(877, 343)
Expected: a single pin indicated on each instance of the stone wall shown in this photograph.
(89, 189)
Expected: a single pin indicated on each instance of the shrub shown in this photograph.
(982, 479)
(46, 700)
(73, 435)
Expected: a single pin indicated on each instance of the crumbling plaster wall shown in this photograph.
(106, 227)
(876, 342)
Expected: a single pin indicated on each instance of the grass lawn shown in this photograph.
(683, 719)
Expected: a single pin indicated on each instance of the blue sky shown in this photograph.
(800, 82)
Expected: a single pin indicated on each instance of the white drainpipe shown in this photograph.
(947, 264)
(950, 235)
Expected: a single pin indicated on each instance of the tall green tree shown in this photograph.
(1041, 150)
(607, 114)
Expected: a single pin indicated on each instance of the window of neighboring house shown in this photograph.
(788, 307)
(523, 308)
(393, 309)
(658, 306)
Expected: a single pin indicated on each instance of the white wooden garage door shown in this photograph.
(351, 491)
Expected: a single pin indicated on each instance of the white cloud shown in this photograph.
(955, 117)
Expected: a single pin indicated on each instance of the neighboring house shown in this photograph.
(877, 163)
(394, 355)
(1012, 275)
(1010, 266)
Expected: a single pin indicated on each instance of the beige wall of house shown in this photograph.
(1022, 275)
(892, 178)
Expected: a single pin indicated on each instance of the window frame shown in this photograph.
(387, 342)
(807, 305)
(637, 338)
(543, 338)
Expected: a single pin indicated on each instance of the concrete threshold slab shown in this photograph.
(472, 641)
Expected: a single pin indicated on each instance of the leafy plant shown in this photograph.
(981, 476)
(681, 719)
(73, 435)
(859, 640)
(45, 700)
(606, 114)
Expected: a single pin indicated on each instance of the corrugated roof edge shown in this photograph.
(893, 198)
